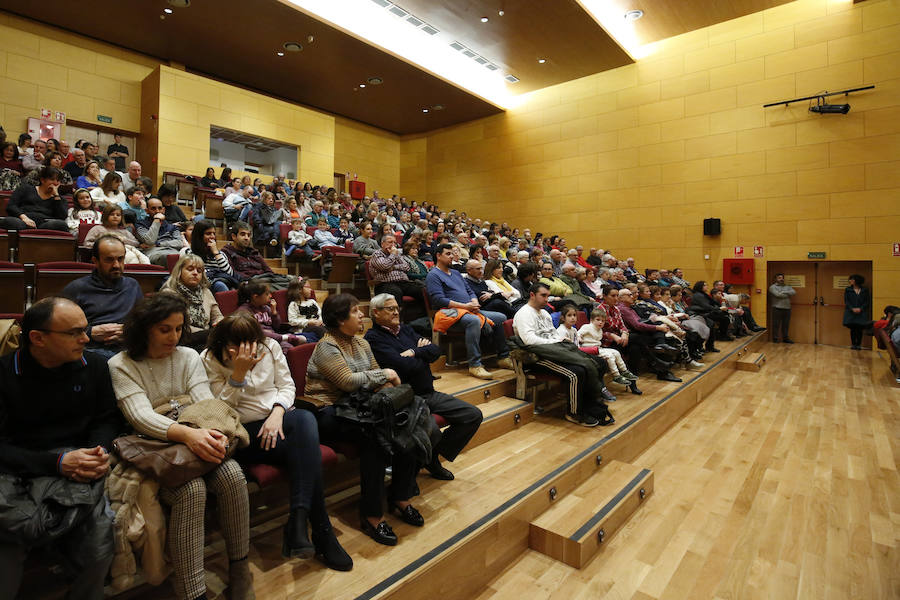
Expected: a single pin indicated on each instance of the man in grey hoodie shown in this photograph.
(781, 309)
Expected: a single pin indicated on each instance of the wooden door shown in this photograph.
(802, 276)
(832, 280)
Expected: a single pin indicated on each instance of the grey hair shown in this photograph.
(523, 254)
(580, 271)
(493, 247)
(607, 257)
(378, 301)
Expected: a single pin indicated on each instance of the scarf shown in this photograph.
(502, 284)
(194, 299)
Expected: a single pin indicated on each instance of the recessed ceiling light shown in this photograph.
(168, 11)
(484, 19)
(542, 60)
(292, 46)
(279, 53)
(179, 3)
(437, 107)
(362, 85)
(633, 15)
(501, 13)
(375, 80)
(424, 110)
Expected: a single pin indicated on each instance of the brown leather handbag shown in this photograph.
(170, 463)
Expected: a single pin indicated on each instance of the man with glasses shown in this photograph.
(105, 296)
(58, 417)
(397, 346)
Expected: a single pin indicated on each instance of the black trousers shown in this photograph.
(398, 289)
(639, 350)
(781, 322)
(17, 223)
(463, 421)
(581, 370)
(299, 453)
(372, 462)
(856, 334)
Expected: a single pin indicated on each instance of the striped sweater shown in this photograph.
(342, 364)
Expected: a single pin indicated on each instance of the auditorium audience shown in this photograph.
(254, 297)
(59, 418)
(155, 381)
(82, 211)
(304, 312)
(447, 289)
(397, 346)
(365, 245)
(217, 266)
(37, 206)
(91, 177)
(111, 222)
(130, 177)
(109, 190)
(343, 363)
(389, 271)
(246, 261)
(106, 296)
(534, 327)
(248, 371)
(158, 237)
(189, 282)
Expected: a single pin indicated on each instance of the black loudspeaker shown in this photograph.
(712, 226)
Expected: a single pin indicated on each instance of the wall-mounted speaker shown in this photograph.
(712, 226)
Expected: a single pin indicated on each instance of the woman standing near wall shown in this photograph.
(857, 310)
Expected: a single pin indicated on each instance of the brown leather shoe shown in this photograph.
(505, 363)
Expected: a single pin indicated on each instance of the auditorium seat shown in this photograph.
(45, 245)
(227, 301)
(150, 277)
(51, 277)
(6, 242)
(281, 303)
(171, 259)
(12, 287)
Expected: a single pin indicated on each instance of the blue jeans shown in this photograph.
(473, 330)
(218, 286)
(306, 248)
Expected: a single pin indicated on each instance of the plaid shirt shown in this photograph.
(386, 268)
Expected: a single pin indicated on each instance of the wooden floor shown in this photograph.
(782, 484)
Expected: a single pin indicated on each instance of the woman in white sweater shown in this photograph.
(248, 371)
(148, 378)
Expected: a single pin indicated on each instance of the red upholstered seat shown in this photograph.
(266, 475)
(408, 299)
(590, 349)
(441, 421)
(227, 301)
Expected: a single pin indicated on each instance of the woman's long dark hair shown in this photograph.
(147, 313)
(198, 244)
(698, 287)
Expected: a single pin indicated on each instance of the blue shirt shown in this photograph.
(103, 302)
(442, 288)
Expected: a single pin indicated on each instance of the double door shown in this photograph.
(817, 309)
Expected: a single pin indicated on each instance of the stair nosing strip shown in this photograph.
(508, 410)
(590, 523)
(481, 386)
(402, 572)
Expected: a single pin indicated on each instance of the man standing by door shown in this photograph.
(118, 152)
(781, 309)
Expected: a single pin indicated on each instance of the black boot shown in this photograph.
(296, 542)
(328, 549)
(634, 389)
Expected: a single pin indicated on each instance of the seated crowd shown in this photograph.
(101, 361)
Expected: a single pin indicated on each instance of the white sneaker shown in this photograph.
(694, 364)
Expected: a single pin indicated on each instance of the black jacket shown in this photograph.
(414, 370)
(26, 200)
(44, 410)
(702, 304)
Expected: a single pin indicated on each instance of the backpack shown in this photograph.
(9, 336)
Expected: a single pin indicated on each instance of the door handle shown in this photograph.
(815, 301)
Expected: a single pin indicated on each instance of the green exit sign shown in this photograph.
(104, 119)
(815, 255)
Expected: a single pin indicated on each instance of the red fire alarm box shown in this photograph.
(737, 271)
(357, 190)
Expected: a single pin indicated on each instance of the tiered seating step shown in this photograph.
(458, 382)
(501, 416)
(752, 361)
(574, 529)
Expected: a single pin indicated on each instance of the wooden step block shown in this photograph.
(575, 528)
(501, 416)
(315, 283)
(320, 295)
(751, 362)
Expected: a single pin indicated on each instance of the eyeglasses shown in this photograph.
(393, 309)
(75, 332)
